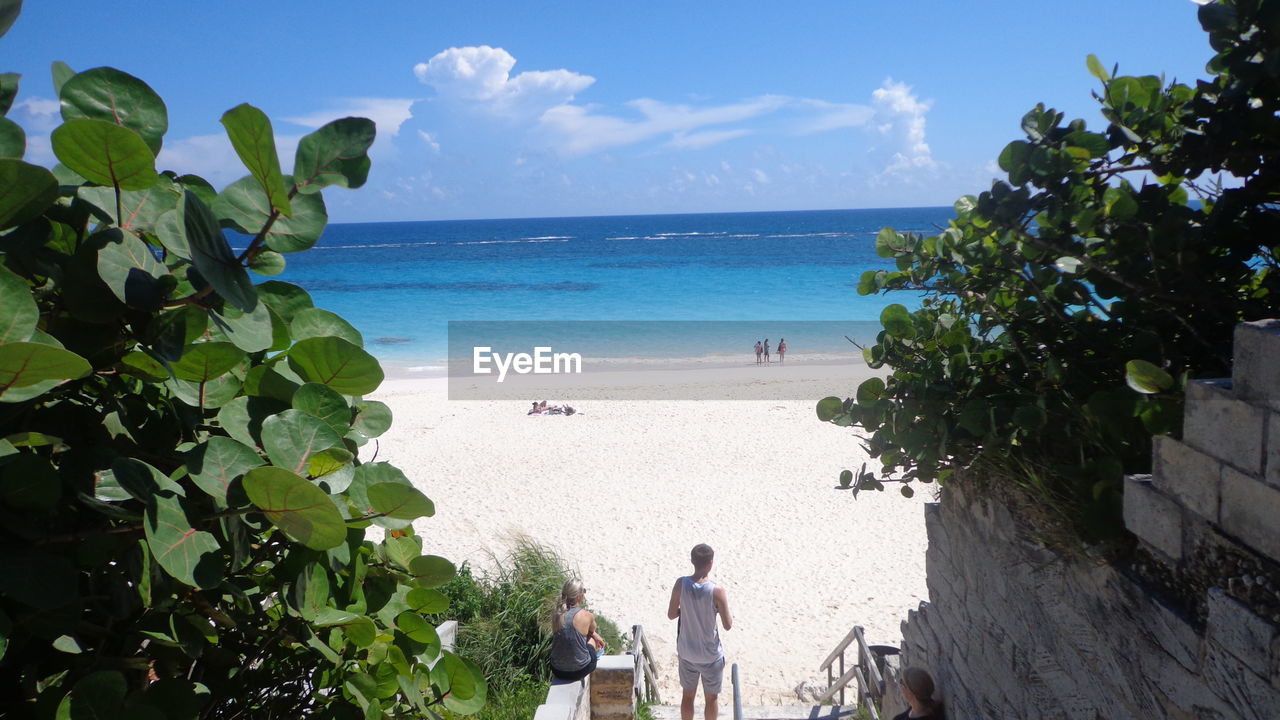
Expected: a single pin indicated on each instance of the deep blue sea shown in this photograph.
(401, 283)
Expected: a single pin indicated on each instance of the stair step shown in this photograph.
(763, 712)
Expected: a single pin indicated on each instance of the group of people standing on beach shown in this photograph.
(696, 603)
(762, 351)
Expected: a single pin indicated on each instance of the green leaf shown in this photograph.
(1030, 418)
(242, 417)
(202, 362)
(301, 510)
(372, 419)
(870, 390)
(1146, 377)
(292, 436)
(467, 689)
(431, 571)
(1120, 203)
(119, 98)
(29, 482)
(212, 256)
(284, 298)
(829, 407)
(402, 550)
(1096, 69)
(96, 696)
(142, 481)
(326, 404)
(242, 206)
(417, 629)
(887, 242)
(896, 320)
(8, 85)
(25, 192)
(142, 208)
(334, 155)
(61, 73)
(267, 262)
(255, 143)
(13, 140)
(263, 380)
(1096, 144)
(131, 271)
(323, 463)
(192, 556)
(402, 502)
(427, 601)
(18, 311)
(907, 491)
(314, 322)
(249, 331)
(336, 363)
(27, 363)
(214, 464)
(9, 10)
(105, 153)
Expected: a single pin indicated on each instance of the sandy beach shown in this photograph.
(625, 488)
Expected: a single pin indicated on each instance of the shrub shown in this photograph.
(182, 509)
(1065, 308)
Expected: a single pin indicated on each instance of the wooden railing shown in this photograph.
(646, 676)
(737, 694)
(870, 684)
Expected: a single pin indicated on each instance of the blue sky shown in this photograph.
(518, 109)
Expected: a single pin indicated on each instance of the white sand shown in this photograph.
(625, 489)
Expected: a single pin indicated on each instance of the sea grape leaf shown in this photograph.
(140, 364)
(267, 262)
(427, 601)
(402, 550)
(828, 408)
(29, 482)
(142, 209)
(292, 436)
(301, 510)
(314, 322)
(249, 331)
(326, 404)
(242, 206)
(214, 464)
(27, 363)
(117, 97)
(105, 153)
(430, 571)
(8, 81)
(250, 131)
(896, 320)
(242, 417)
(263, 380)
(13, 139)
(142, 481)
(9, 10)
(202, 362)
(284, 298)
(212, 256)
(418, 629)
(403, 502)
(372, 418)
(336, 363)
(133, 274)
(25, 191)
(328, 461)
(97, 695)
(1146, 377)
(61, 73)
(18, 311)
(335, 154)
(192, 556)
(467, 689)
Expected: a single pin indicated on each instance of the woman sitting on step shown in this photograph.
(917, 690)
(576, 645)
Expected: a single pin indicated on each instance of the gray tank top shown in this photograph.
(698, 640)
(569, 648)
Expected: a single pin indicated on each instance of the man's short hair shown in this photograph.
(701, 555)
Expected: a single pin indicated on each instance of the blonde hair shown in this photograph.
(920, 683)
(568, 598)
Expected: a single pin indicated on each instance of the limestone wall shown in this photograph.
(1188, 630)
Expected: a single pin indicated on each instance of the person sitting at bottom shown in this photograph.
(575, 644)
(917, 690)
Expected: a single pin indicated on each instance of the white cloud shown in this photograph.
(578, 129)
(387, 113)
(760, 176)
(37, 114)
(429, 140)
(900, 119)
(481, 76)
(834, 116)
(698, 140)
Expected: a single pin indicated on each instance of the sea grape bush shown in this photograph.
(183, 514)
(1107, 262)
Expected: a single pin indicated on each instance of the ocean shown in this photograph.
(743, 276)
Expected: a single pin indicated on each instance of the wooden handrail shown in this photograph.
(737, 695)
(838, 685)
(839, 649)
(875, 684)
(644, 665)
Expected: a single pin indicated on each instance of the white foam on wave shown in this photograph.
(550, 237)
(375, 245)
(425, 368)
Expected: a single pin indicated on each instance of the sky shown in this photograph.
(518, 109)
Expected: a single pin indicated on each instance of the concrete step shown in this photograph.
(763, 712)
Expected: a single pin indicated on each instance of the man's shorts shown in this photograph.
(712, 675)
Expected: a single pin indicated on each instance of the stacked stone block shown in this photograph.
(1013, 630)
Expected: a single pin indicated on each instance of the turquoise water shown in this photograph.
(401, 283)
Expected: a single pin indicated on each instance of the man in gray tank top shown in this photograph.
(696, 601)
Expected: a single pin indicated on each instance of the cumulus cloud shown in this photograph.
(481, 77)
(37, 114)
(900, 120)
(430, 140)
(387, 113)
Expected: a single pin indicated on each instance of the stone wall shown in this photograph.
(1188, 630)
